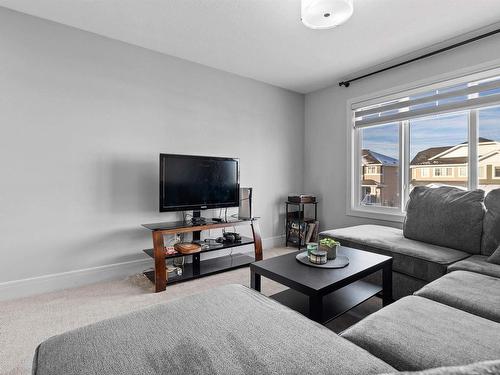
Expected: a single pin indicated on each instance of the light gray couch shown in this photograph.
(236, 330)
(445, 229)
(228, 330)
(418, 333)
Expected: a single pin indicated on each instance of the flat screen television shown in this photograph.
(190, 182)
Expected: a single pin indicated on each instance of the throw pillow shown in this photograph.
(495, 257)
(446, 216)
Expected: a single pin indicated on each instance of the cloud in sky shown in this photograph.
(438, 131)
(383, 139)
(489, 123)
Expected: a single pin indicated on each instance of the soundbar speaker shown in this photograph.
(245, 209)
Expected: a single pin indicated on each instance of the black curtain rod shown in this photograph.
(482, 36)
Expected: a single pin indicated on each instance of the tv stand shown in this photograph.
(199, 268)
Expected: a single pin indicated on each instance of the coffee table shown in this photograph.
(324, 294)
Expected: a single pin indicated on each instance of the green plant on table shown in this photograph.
(329, 242)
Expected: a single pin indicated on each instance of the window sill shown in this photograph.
(397, 217)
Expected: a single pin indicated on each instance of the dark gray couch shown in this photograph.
(445, 229)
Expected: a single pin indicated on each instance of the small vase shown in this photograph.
(331, 252)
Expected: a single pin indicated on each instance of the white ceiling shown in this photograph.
(264, 39)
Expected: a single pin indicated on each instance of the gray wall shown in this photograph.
(83, 119)
(326, 124)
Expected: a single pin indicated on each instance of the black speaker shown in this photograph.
(245, 209)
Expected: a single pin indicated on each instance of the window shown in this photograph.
(482, 172)
(424, 137)
(443, 172)
(380, 182)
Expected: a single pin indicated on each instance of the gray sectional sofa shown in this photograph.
(227, 330)
(236, 330)
(449, 326)
(445, 229)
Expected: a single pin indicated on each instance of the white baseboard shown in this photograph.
(71, 279)
(270, 242)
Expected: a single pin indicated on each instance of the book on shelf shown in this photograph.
(305, 231)
(310, 231)
(296, 231)
(315, 234)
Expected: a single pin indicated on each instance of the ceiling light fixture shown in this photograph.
(325, 14)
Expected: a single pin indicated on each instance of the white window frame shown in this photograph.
(426, 174)
(354, 207)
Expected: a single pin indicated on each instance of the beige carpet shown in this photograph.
(26, 322)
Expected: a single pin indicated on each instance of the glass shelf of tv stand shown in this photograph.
(172, 225)
(225, 245)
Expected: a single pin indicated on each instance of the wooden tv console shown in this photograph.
(199, 268)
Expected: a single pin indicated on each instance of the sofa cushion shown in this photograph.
(495, 257)
(413, 258)
(468, 291)
(446, 216)
(478, 368)
(491, 223)
(416, 333)
(476, 263)
(227, 330)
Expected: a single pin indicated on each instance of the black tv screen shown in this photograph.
(198, 182)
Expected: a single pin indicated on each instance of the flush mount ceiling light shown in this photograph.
(325, 14)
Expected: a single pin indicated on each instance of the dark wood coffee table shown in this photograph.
(324, 294)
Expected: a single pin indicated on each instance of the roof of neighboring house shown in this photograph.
(369, 183)
(372, 157)
(481, 140)
(423, 157)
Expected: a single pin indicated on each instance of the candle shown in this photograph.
(318, 257)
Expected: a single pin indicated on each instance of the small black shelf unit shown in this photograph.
(300, 218)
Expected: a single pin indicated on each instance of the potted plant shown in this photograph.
(330, 246)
